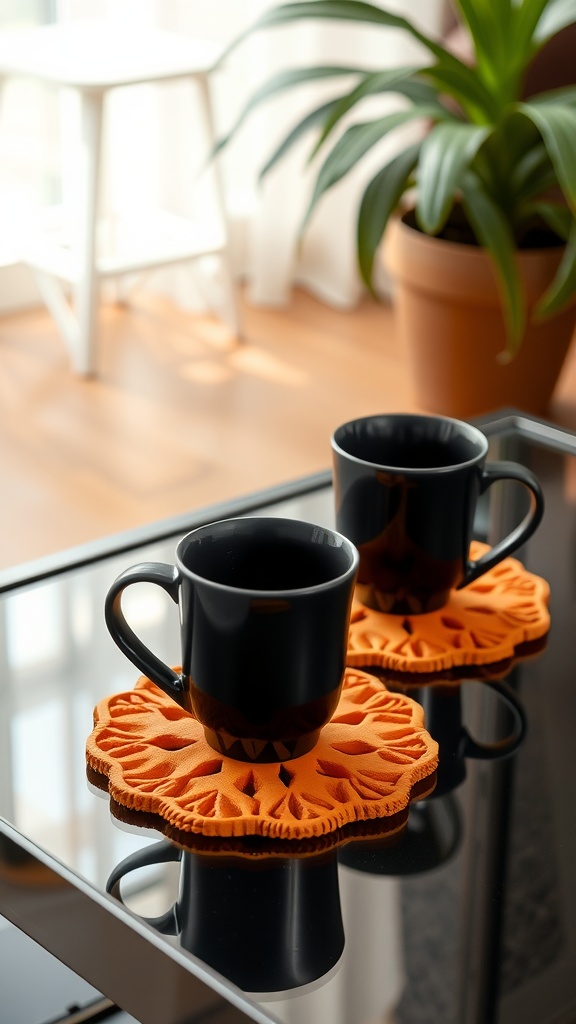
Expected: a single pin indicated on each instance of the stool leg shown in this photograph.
(87, 286)
(230, 312)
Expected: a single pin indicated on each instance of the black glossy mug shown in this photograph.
(406, 491)
(264, 613)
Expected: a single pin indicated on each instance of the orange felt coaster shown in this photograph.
(365, 765)
(485, 622)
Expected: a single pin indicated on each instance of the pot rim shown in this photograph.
(460, 272)
(399, 218)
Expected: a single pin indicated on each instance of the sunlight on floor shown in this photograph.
(254, 361)
(206, 371)
(248, 360)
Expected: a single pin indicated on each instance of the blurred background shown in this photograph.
(187, 409)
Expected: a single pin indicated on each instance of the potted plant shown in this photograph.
(491, 183)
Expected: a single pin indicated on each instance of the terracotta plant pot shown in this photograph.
(451, 326)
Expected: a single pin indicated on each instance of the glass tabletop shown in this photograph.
(469, 916)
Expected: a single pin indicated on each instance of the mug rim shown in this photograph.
(473, 432)
(276, 592)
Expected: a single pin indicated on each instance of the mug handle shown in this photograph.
(158, 853)
(507, 471)
(509, 744)
(167, 577)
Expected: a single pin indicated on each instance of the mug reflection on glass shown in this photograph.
(433, 832)
(443, 711)
(267, 925)
(406, 491)
(264, 611)
(431, 838)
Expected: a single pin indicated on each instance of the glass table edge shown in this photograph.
(115, 927)
(163, 529)
(498, 424)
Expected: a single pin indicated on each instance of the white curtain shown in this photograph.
(265, 219)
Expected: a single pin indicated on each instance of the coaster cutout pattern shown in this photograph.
(483, 623)
(367, 761)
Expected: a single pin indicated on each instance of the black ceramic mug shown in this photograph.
(267, 925)
(264, 613)
(406, 491)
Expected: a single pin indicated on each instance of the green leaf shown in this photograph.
(354, 10)
(282, 81)
(557, 15)
(563, 288)
(526, 16)
(465, 87)
(312, 120)
(479, 26)
(493, 233)
(529, 169)
(489, 25)
(531, 178)
(380, 199)
(352, 146)
(419, 91)
(557, 217)
(565, 96)
(373, 82)
(338, 10)
(446, 151)
(557, 126)
(535, 189)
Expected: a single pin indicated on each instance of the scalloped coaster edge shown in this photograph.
(488, 622)
(367, 765)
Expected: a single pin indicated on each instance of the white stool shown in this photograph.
(92, 58)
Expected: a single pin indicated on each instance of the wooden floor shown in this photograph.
(181, 417)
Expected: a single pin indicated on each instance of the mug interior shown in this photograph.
(410, 442)
(262, 554)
